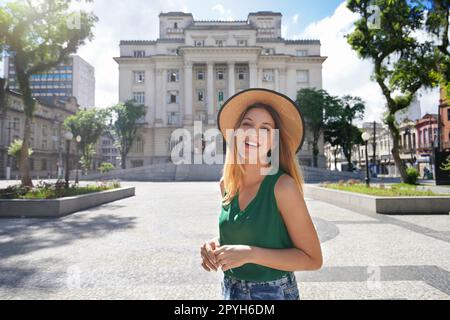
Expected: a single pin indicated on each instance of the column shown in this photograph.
(291, 83)
(277, 79)
(164, 98)
(159, 97)
(187, 119)
(210, 92)
(283, 88)
(150, 88)
(231, 78)
(253, 74)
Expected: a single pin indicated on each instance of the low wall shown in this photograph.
(55, 208)
(384, 205)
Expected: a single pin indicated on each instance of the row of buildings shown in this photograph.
(183, 76)
(59, 93)
(194, 66)
(418, 138)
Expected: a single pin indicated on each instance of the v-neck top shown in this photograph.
(260, 224)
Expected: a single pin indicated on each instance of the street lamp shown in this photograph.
(78, 140)
(68, 136)
(366, 136)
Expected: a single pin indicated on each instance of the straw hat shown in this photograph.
(291, 118)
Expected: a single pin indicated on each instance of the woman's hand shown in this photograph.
(233, 256)
(209, 261)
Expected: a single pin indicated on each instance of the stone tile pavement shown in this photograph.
(147, 247)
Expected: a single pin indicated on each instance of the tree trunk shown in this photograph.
(395, 148)
(348, 156)
(24, 165)
(335, 158)
(28, 106)
(123, 160)
(315, 152)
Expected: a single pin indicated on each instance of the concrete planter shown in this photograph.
(55, 208)
(378, 204)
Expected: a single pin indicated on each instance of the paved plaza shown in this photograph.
(147, 247)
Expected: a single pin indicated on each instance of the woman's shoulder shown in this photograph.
(285, 186)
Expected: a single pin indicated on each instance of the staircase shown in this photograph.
(203, 172)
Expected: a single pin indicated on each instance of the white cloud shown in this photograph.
(345, 73)
(224, 14)
(117, 22)
(284, 30)
(219, 8)
(295, 18)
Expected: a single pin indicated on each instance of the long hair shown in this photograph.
(233, 173)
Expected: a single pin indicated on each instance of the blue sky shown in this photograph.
(327, 20)
(308, 11)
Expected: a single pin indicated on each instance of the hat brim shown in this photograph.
(291, 118)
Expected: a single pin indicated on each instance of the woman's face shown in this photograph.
(258, 130)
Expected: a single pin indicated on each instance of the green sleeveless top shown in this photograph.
(260, 224)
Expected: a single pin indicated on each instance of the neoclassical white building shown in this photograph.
(194, 66)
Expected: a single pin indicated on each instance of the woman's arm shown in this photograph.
(306, 255)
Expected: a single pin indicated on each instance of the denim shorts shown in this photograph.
(284, 288)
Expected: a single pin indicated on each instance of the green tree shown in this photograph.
(15, 149)
(124, 126)
(402, 63)
(89, 124)
(318, 108)
(39, 35)
(438, 23)
(105, 167)
(341, 132)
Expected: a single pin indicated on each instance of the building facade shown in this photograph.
(194, 66)
(73, 78)
(47, 136)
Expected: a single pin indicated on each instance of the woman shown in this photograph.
(265, 230)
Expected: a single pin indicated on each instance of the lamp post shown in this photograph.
(68, 136)
(366, 136)
(78, 140)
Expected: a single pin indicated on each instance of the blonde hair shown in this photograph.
(233, 173)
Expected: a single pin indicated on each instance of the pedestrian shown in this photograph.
(265, 230)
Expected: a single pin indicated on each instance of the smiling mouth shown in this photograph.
(251, 144)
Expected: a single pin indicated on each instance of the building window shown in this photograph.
(268, 51)
(241, 73)
(200, 74)
(220, 96)
(139, 76)
(172, 97)
(302, 76)
(139, 97)
(16, 124)
(139, 53)
(301, 53)
(175, 25)
(138, 145)
(220, 43)
(268, 75)
(172, 118)
(220, 73)
(173, 76)
(242, 43)
(44, 164)
(448, 114)
(200, 95)
(199, 43)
